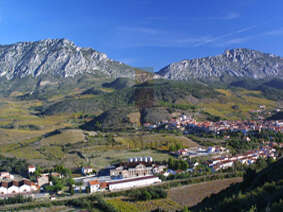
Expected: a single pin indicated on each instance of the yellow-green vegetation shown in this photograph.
(153, 141)
(71, 146)
(135, 118)
(190, 195)
(141, 206)
(28, 136)
(52, 152)
(124, 206)
(101, 158)
(165, 204)
(225, 92)
(236, 104)
(107, 90)
(21, 131)
(27, 153)
(24, 134)
(65, 137)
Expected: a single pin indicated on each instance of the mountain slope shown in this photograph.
(233, 64)
(58, 58)
(57, 66)
(150, 94)
(262, 191)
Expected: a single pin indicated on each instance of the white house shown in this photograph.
(132, 182)
(24, 188)
(159, 169)
(6, 175)
(17, 187)
(13, 188)
(31, 169)
(4, 188)
(95, 186)
(87, 170)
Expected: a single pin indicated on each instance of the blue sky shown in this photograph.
(148, 33)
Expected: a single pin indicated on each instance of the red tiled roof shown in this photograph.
(93, 182)
(103, 185)
(5, 184)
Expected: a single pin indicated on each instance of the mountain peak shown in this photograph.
(58, 58)
(233, 63)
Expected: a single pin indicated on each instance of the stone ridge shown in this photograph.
(57, 58)
(234, 64)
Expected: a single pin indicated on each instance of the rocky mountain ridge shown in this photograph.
(232, 64)
(50, 60)
(58, 58)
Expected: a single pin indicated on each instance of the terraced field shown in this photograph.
(192, 194)
(47, 140)
(141, 206)
(237, 104)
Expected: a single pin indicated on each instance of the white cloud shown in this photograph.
(231, 16)
(145, 30)
(275, 32)
(228, 16)
(220, 38)
(152, 37)
(233, 41)
(245, 29)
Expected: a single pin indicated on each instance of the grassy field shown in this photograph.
(192, 194)
(102, 159)
(69, 145)
(157, 141)
(54, 209)
(178, 197)
(142, 206)
(68, 136)
(23, 134)
(244, 100)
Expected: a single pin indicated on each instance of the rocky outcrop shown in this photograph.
(234, 64)
(59, 58)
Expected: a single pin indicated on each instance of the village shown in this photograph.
(188, 124)
(144, 170)
(133, 173)
(136, 172)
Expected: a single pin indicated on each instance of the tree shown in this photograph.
(147, 195)
(170, 163)
(63, 171)
(185, 209)
(184, 165)
(249, 176)
(71, 190)
(37, 172)
(252, 209)
(261, 163)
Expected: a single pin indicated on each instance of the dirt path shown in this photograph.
(190, 195)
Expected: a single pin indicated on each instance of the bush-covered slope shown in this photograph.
(270, 89)
(147, 94)
(262, 191)
(119, 83)
(115, 119)
(276, 116)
